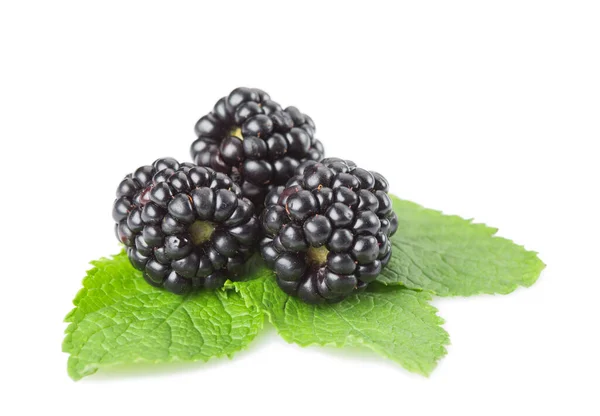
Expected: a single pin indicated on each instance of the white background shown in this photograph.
(489, 110)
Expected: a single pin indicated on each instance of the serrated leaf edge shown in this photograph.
(423, 301)
(527, 280)
(94, 367)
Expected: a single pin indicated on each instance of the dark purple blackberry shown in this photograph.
(328, 230)
(184, 226)
(257, 142)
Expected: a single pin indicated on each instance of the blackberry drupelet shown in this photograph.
(184, 226)
(256, 141)
(328, 230)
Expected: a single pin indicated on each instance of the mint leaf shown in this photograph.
(120, 319)
(451, 256)
(394, 322)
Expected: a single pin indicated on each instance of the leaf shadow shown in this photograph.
(364, 357)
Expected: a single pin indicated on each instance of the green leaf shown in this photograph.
(451, 256)
(120, 319)
(396, 323)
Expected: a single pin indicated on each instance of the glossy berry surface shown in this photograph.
(184, 226)
(256, 141)
(327, 232)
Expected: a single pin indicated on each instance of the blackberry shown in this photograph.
(184, 226)
(327, 232)
(256, 141)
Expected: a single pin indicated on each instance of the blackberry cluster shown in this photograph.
(184, 226)
(256, 141)
(326, 224)
(327, 231)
